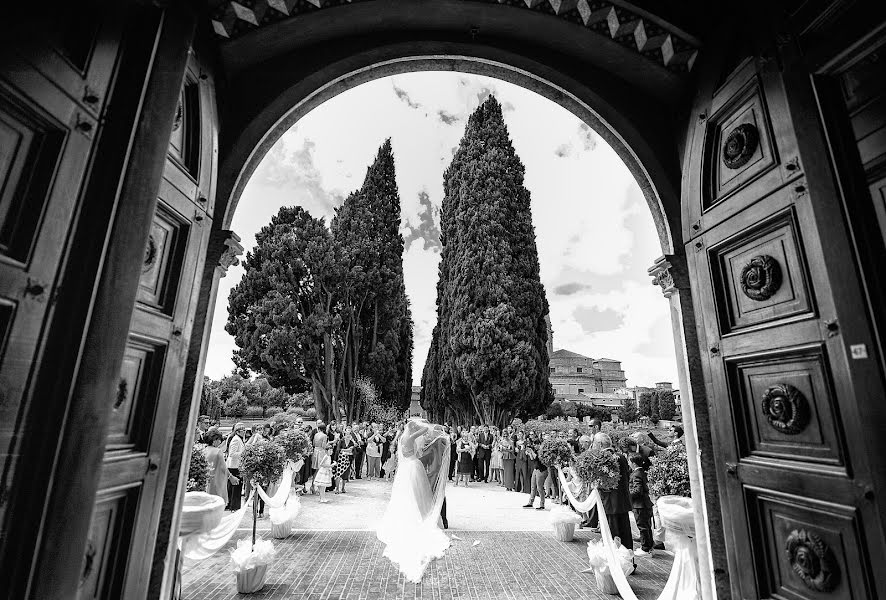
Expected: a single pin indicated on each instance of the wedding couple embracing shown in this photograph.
(410, 528)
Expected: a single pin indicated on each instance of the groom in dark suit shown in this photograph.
(484, 453)
(433, 462)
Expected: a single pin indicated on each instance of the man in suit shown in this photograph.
(202, 428)
(484, 453)
(432, 459)
(521, 482)
(642, 503)
(453, 456)
(539, 473)
(473, 433)
(617, 501)
(359, 449)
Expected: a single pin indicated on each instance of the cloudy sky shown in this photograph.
(594, 230)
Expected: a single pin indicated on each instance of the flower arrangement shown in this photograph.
(669, 473)
(262, 463)
(198, 471)
(598, 468)
(555, 453)
(295, 444)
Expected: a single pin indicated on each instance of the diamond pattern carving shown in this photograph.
(672, 50)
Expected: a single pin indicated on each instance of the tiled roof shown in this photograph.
(563, 353)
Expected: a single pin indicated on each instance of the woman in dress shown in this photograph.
(319, 443)
(258, 435)
(409, 528)
(495, 464)
(465, 458)
(307, 469)
(219, 475)
(508, 461)
(342, 472)
(323, 477)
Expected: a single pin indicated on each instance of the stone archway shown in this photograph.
(612, 110)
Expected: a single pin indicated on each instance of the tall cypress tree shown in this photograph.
(492, 358)
(367, 228)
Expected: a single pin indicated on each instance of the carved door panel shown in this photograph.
(126, 515)
(47, 127)
(772, 272)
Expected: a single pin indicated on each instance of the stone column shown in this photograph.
(222, 251)
(671, 274)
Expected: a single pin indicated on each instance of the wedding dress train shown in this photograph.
(409, 528)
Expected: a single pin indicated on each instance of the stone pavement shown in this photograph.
(334, 554)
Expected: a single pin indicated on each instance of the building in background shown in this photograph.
(572, 373)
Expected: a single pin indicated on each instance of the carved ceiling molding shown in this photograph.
(670, 49)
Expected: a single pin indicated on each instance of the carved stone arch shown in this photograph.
(617, 112)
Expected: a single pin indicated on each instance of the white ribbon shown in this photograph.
(198, 546)
(282, 493)
(682, 583)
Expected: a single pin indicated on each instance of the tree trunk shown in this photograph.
(374, 326)
(320, 402)
(329, 368)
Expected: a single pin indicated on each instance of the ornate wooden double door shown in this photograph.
(787, 331)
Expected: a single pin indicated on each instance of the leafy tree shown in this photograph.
(279, 398)
(583, 410)
(644, 403)
(211, 404)
(555, 409)
(628, 411)
(570, 409)
(378, 340)
(654, 410)
(283, 314)
(235, 405)
(666, 405)
(260, 393)
(492, 360)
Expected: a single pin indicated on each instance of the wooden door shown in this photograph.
(52, 95)
(127, 508)
(793, 404)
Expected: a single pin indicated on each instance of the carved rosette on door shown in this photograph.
(740, 145)
(786, 408)
(812, 560)
(760, 278)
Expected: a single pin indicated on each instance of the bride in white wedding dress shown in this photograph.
(409, 528)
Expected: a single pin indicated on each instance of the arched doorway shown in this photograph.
(784, 363)
(646, 156)
(581, 204)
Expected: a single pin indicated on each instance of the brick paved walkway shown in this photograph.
(336, 555)
(349, 565)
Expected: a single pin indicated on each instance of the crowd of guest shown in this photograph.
(508, 457)
(341, 451)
